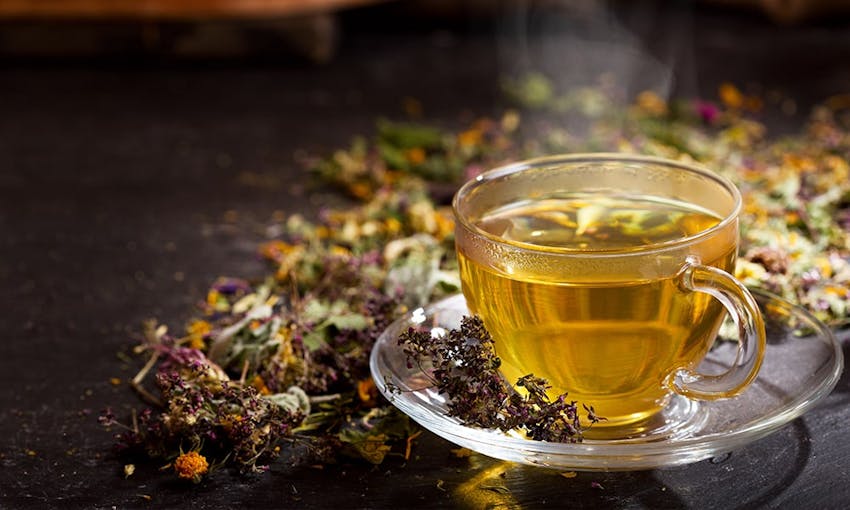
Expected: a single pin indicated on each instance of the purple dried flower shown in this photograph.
(231, 285)
(107, 417)
(707, 111)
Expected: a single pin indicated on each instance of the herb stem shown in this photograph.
(135, 421)
(409, 443)
(320, 399)
(136, 383)
(244, 373)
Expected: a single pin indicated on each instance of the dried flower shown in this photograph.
(707, 111)
(730, 95)
(198, 330)
(651, 103)
(191, 466)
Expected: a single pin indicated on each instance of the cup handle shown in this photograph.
(744, 311)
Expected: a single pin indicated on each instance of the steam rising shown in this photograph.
(627, 46)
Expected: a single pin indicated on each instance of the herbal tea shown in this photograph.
(590, 223)
(604, 333)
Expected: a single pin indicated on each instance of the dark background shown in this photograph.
(133, 173)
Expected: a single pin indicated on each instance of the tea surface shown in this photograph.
(589, 222)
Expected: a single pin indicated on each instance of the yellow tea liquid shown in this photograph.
(608, 338)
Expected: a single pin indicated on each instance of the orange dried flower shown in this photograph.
(361, 190)
(651, 103)
(191, 466)
(470, 138)
(415, 156)
(260, 385)
(367, 392)
(445, 224)
(730, 95)
(275, 250)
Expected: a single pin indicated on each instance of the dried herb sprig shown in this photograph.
(203, 409)
(464, 366)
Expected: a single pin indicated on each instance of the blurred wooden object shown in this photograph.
(793, 11)
(170, 9)
(781, 11)
(185, 28)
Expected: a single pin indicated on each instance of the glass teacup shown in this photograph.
(609, 275)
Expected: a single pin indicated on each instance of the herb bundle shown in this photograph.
(282, 361)
(463, 365)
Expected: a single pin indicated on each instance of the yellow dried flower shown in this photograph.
(445, 224)
(197, 330)
(287, 256)
(799, 163)
(392, 225)
(196, 342)
(339, 251)
(191, 466)
(749, 272)
(199, 327)
(212, 297)
(824, 266)
(837, 291)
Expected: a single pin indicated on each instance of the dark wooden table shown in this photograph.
(128, 184)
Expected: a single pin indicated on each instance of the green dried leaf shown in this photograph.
(354, 321)
(315, 339)
(393, 156)
(409, 136)
(293, 400)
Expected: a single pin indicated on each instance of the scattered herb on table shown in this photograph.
(282, 361)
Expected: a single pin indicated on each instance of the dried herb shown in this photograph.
(463, 365)
(283, 360)
(202, 409)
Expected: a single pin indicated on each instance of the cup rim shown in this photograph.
(523, 165)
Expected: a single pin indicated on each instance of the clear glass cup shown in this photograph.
(609, 275)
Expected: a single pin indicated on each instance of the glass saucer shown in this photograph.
(802, 364)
